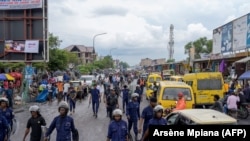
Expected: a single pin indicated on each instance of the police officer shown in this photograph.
(95, 98)
(147, 114)
(133, 113)
(106, 94)
(4, 127)
(35, 123)
(112, 103)
(125, 94)
(118, 129)
(138, 91)
(6, 111)
(156, 120)
(63, 123)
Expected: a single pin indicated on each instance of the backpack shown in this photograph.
(112, 100)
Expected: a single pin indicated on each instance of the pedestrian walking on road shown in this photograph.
(138, 91)
(118, 129)
(112, 103)
(63, 123)
(66, 90)
(4, 128)
(156, 120)
(133, 113)
(125, 95)
(72, 100)
(35, 123)
(95, 98)
(6, 111)
(107, 92)
(147, 114)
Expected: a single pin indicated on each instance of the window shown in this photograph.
(209, 84)
(158, 79)
(151, 80)
(180, 80)
(172, 93)
(172, 119)
(86, 78)
(190, 83)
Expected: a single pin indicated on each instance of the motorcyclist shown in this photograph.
(133, 113)
(118, 129)
(35, 123)
(63, 123)
(156, 120)
(181, 102)
(155, 88)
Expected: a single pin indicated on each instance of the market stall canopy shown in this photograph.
(245, 75)
(244, 60)
(6, 77)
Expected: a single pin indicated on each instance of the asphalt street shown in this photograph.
(90, 128)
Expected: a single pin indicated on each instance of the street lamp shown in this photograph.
(111, 50)
(95, 37)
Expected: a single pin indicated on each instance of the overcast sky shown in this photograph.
(139, 28)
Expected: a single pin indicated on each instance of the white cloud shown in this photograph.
(139, 28)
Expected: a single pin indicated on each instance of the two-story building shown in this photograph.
(85, 54)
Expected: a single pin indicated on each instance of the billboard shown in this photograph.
(227, 38)
(24, 33)
(239, 33)
(20, 4)
(248, 31)
(14, 46)
(217, 41)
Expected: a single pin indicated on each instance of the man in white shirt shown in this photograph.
(66, 90)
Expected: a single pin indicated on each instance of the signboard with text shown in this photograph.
(20, 4)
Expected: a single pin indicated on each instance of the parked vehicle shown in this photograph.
(205, 85)
(149, 83)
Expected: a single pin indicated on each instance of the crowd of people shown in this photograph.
(108, 89)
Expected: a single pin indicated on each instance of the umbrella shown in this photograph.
(13, 74)
(58, 73)
(6, 77)
(9, 77)
(2, 77)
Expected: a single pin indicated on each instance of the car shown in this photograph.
(89, 79)
(199, 117)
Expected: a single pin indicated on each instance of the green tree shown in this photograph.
(54, 41)
(201, 45)
(124, 65)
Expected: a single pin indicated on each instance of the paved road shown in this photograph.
(90, 129)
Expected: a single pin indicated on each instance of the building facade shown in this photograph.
(85, 54)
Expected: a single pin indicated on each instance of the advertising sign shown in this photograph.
(216, 41)
(248, 31)
(20, 4)
(31, 46)
(239, 33)
(227, 38)
(14, 46)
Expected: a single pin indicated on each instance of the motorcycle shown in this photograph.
(242, 111)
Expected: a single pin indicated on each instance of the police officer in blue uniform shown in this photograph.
(95, 98)
(156, 120)
(125, 94)
(118, 129)
(63, 123)
(147, 114)
(6, 111)
(4, 127)
(133, 113)
(138, 90)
